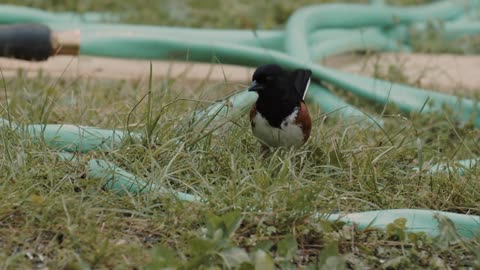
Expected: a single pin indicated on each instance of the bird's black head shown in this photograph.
(266, 77)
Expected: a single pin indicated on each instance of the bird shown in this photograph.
(279, 117)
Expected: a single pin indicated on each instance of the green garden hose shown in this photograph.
(305, 20)
(367, 40)
(120, 181)
(73, 138)
(76, 139)
(418, 220)
(407, 98)
(459, 167)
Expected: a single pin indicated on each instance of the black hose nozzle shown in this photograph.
(31, 42)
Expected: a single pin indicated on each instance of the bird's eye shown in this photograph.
(269, 78)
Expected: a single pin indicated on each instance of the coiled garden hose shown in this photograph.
(305, 38)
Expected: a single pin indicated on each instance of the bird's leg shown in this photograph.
(264, 151)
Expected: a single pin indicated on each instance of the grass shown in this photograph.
(197, 13)
(259, 211)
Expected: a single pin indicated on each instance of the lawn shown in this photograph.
(257, 211)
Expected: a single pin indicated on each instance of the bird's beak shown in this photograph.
(254, 87)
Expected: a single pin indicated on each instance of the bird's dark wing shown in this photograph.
(301, 81)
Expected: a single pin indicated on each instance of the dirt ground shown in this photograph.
(441, 72)
(446, 73)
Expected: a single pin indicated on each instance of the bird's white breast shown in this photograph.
(289, 133)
